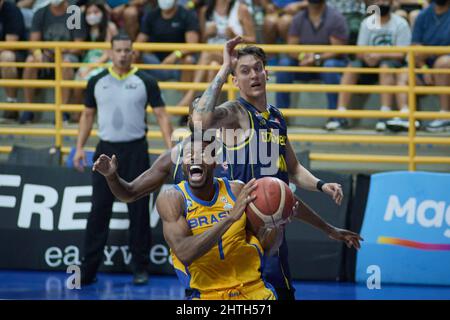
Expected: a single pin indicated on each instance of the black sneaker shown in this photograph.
(11, 115)
(140, 278)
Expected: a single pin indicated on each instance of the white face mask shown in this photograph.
(56, 2)
(166, 4)
(94, 19)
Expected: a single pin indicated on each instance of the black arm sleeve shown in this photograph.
(89, 96)
(154, 97)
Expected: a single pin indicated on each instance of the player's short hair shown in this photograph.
(252, 50)
(121, 36)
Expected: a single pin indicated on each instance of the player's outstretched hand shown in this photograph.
(105, 165)
(243, 199)
(334, 190)
(350, 238)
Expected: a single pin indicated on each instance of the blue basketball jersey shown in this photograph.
(267, 140)
(263, 153)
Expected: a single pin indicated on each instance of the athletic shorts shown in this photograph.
(258, 290)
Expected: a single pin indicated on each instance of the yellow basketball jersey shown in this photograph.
(236, 260)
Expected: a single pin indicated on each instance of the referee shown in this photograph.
(119, 96)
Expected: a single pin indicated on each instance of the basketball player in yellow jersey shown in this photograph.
(214, 255)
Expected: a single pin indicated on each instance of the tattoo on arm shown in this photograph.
(209, 97)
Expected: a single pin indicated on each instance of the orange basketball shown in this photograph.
(273, 203)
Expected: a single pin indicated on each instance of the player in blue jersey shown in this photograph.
(262, 129)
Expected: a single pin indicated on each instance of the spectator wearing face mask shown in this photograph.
(393, 31)
(99, 29)
(169, 23)
(50, 24)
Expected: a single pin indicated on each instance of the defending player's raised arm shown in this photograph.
(303, 212)
(304, 179)
(204, 111)
(186, 246)
(149, 181)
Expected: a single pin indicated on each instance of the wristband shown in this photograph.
(190, 4)
(319, 185)
(178, 54)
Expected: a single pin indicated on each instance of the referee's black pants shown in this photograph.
(133, 160)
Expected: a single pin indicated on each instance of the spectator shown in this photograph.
(410, 9)
(432, 28)
(278, 18)
(99, 29)
(318, 24)
(49, 24)
(124, 13)
(354, 12)
(12, 28)
(393, 31)
(119, 96)
(174, 24)
(219, 22)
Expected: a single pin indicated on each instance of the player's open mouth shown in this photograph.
(196, 173)
(255, 85)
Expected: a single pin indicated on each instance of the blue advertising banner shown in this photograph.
(406, 229)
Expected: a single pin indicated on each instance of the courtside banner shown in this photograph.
(406, 229)
(44, 214)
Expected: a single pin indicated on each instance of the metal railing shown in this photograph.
(412, 90)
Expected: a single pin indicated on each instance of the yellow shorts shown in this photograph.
(256, 290)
